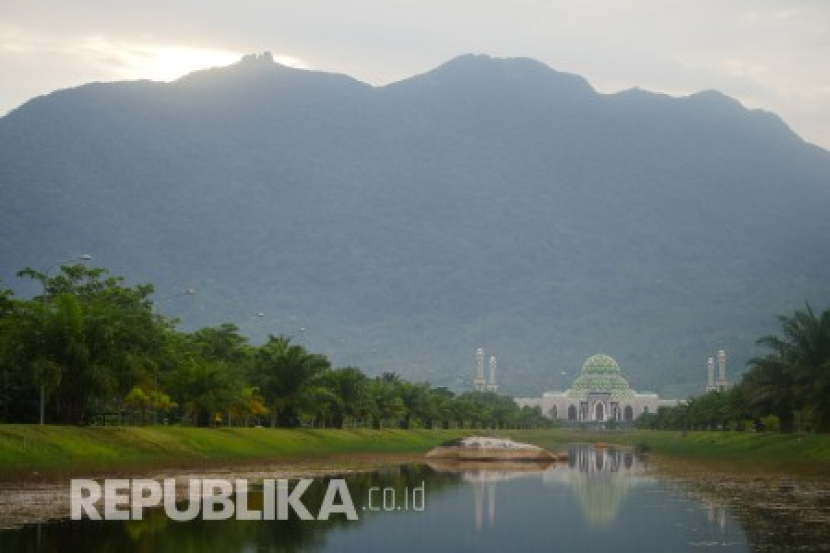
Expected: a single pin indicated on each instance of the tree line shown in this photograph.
(90, 350)
(787, 389)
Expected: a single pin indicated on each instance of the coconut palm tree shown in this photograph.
(284, 371)
(795, 375)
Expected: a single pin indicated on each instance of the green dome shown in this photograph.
(600, 374)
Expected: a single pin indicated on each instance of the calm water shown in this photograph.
(601, 500)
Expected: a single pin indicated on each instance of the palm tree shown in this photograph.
(795, 375)
(284, 372)
(384, 400)
(349, 385)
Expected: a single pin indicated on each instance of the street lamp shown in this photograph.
(185, 292)
(82, 257)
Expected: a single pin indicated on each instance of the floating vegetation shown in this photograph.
(778, 513)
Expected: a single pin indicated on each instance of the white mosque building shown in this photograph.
(600, 394)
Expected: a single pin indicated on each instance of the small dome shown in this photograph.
(600, 364)
(600, 374)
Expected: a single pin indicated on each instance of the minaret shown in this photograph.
(479, 382)
(722, 383)
(491, 502)
(492, 386)
(710, 386)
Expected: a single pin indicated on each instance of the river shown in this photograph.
(601, 499)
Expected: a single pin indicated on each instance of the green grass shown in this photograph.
(62, 450)
(796, 453)
(57, 451)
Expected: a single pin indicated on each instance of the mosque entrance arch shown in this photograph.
(628, 413)
(572, 413)
(599, 412)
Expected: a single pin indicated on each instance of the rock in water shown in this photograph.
(477, 448)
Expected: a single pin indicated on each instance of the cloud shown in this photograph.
(161, 62)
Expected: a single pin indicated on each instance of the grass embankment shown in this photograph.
(794, 453)
(57, 451)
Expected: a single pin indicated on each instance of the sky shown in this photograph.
(768, 54)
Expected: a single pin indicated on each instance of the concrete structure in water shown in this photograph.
(599, 395)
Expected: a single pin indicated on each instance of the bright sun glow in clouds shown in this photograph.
(165, 62)
(156, 62)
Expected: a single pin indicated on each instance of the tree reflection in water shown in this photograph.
(157, 533)
(601, 499)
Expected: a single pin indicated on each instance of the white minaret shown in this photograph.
(710, 386)
(479, 382)
(722, 383)
(492, 386)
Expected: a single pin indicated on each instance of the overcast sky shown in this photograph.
(770, 54)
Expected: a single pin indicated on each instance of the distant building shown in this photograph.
(710, 368)
(722, 383)
(480, 384)
(600, 394)
(492, 386)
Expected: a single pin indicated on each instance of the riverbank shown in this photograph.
(37, 461)
(755, 451)
(33, 452)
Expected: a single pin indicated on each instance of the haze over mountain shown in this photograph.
(490, 203)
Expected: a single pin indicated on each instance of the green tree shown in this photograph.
(205, 388)
(53, 350)
(210, 373)
(81, 341)
(349, 385)
(415, 398)
(442, 400)
(385, 405)
(795, 375)
(283, 372)
(320, 405)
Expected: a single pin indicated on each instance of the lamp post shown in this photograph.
(251, 321)
(81, 257)
(185, 292)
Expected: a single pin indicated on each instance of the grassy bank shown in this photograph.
(56, 451)
(797, 453)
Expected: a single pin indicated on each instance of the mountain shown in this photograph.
(490, 203)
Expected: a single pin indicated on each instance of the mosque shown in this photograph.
(600, 394)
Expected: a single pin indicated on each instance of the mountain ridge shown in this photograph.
(405, 225)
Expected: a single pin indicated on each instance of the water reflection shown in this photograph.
(600, 491)
(484, 483)
(158, 533)
(778, 512)
(484, 476)
(599, 478)
(594, 478)
(600, 499)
